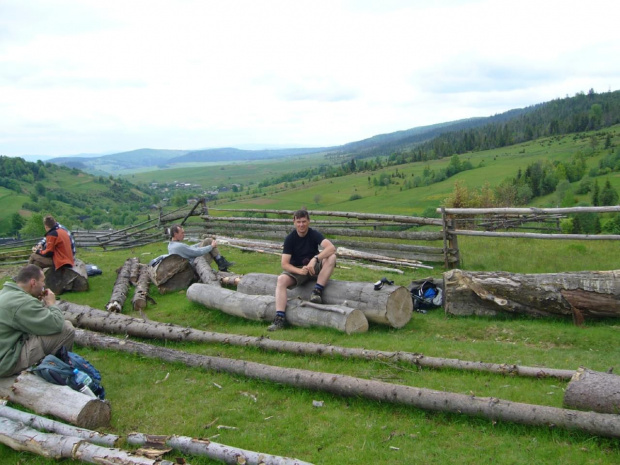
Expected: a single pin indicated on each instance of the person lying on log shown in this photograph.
(31, 325)
(301, 262)
(57, 248)
(207, 246)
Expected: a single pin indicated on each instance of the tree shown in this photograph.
(33, 227)
(595, 194)
(17, 222)
(608, 196)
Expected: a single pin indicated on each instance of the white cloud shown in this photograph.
(91, 76)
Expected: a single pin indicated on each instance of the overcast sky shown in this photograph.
(101, 76)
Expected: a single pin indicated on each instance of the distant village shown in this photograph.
(196, 189)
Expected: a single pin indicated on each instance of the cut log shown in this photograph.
(356, 254)
(600, 424)
(587, 294)
(73, 279)
(141, 293)
(83, 316)
(134, 271)
(593, 390)
(263, 308)
(45, 398)
(22, 438)
(121, 286)
(173, 273)
(202, 266)
(391, 305)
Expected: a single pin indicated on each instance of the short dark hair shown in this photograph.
(49, 221)
(27, 273)
(301, 214)
(175, 228)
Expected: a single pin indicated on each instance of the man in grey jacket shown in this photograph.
(31, 325)
(207, 246)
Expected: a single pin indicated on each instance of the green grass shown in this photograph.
(158, 397)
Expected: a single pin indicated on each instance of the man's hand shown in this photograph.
(48, 297)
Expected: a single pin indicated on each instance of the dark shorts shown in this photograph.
(304, 278)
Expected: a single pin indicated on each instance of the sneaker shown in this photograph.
(316, 297)
(279, 322)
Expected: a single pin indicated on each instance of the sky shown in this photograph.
(92, 76)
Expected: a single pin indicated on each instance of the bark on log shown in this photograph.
(141, 293)
(173, 273)
(591, 294)
(205, 447)
(593, 390)
(83, 316)
(263, 308)
(22, 438)
(355, 254)
(202, 266)
(600, 424)
(52, 426)
(134, 271)
(45, 398)
(121, 286)
(73, 279)
(392, 305)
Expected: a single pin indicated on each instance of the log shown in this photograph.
(121, 286)
(45, 398)
(263, 308)
(214, 450)
(600, 424)
(22, 438)
(356, 254)
(52, 426)
(73, 279)
(577, 295)
(392, 305)
(83, 316)
(593, 390)
(141, 293)
(202, 267)
(134, 271)
(173, 273)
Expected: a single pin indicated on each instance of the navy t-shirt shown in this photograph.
(300, 248)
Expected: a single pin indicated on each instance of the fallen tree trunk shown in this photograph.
(591, 294)
(52, 426)
(62, 402)
(73, 279)
(356, 254)
(121, 286)
(20, 437)
(391, 305)
(171, 274)
(141, 293)
(263, 308)
(205, 447)
(98, 320)
(593, 390)
(203, 269)
(600, 424)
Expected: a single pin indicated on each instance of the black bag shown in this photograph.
(426, 296)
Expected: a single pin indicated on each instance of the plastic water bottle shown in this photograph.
(83, 380)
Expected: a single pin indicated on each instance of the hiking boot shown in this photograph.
(279, 322)
(223, 264)
(316, 297)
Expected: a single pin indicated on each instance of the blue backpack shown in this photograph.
(58, 369)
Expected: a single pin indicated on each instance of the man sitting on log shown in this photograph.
(57, 248)
(301, 261)
(207, 246)
(31, 325)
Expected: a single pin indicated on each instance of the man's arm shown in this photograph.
(187, 251)
(285, 261)
(328, 249)
(50, 245)
(35, 318)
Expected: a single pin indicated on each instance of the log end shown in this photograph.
(356, 322)
(399, 307)
(95, 414)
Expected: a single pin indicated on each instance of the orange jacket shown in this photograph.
(58, 246)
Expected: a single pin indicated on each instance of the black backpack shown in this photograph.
(426, 296)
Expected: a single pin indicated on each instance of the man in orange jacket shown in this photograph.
(57, 251)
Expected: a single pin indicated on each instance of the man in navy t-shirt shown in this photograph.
(302, 261)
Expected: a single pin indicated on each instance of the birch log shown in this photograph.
(173, 273)
(591, 294)
(263, 308)
(121, 286)
(22, 438)
(83, 316)
(391, 305)
(593, 390)
(203, 269)
(67, 279)
(600, 424)
(141, 293)
(45, 398)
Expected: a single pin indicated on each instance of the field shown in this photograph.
(158, 397)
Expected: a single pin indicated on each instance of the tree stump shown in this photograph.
(577, 295)
(171, 274)
(391, 305)
(67, 279)
(593, 390)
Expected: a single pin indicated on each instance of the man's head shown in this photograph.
(49, 222)
(31, 279)
(301, 219)
(177, 233)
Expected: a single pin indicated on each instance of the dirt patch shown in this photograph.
(7, 272)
